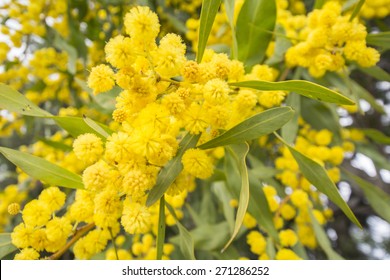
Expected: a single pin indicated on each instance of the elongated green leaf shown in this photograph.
(378, 199)
(376, 72)
(282, 44)
(186, 240)
(207, 15)
(239, 152)
(14, 101)
(377, 136)
(57, 145)
(366, 95)
(255, 24)
(161, 229)
(258, 207)
(318, 176)
(252, 128)
(210, 236)
(171, 170)
(304, 88)
(290, 129)
(96, 127)
(42, 169)
(356, 10)
(381, 39)
(6, 246)
(323, 239)
(61, 44)
(221, 192)
(229, 7)
(76, 126)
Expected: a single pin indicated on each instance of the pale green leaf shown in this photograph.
(229, 7)
(6, 246)
(222, 193)
(76, 126)
(258, 125)
(376, 72)
(239, 152)
(14, 101)
(305, 88)
(317, 176)
(42, 169)
(255, 24)
(290, 130)
(186, 242)
(161, 229)
(323, 239)
(377, 136)
(381, 39)
(356, 10)
(376, 197)
(207, 15)
(103, 132)
(171, 170)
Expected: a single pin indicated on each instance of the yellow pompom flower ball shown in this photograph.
(286, 254)
(13, 209)
(27, 254)
(257, 242)
(88, 148)
(197, 163)
(101, 79)
(288, 238)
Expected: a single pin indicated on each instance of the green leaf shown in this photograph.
(255, 24)
(239, 152)
(61, 44)
(282, 44)
(304, 88)
(290, 129)
(6, 246)
(56, 145)
(186, 240)
(14, 101)
(258, 207)
(207, 15)
(258, 125)
(364, 94)
(376, 197)
(323, 239)
(376, 72)
(356, 10)
(318, 4)
(42, 169)
(381, 39)
(97, 128)
(222, 193)
(161, 229)
(229, 7)
(210, 237)
(318, 176)
(377, 136)
(171, 170)
(76, 126)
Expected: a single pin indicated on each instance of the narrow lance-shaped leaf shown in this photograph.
(304, 88)
(381, 39)
(207, 15)
(239, 152)
(323, 239)
(377, 136)
(186, 240)
(376, 72)
(356, 10)
(6, 246)
(42, 169)
(318, 176)
(103, 132)
(252, 128)
(76, 126)
(377, 198)
(255, 24)
(290, 130)
(171, 170)
(229, 7)
(14, 101)
(161, 229)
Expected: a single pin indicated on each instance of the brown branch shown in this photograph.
(77, 235)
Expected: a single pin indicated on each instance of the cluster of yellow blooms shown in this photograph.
(375, 9)
(328, 39)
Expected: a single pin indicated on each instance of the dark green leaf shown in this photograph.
(318, 176)
(207, 15)
(376, 72)
(255, 24)
(14, 101)
(161, 229)
(377, 198)
(304, 88)
(171, 170)
(6, 246)
(239, 152)
(222, 193)
(252, 128)
(323, 239)
(42, 169)
(356, 10)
